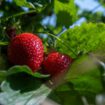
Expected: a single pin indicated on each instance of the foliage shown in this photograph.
(9, 96)
(21, 69)
(80, 81)
(83, 39)
(66, 10)
(102, 2)
(84, 78)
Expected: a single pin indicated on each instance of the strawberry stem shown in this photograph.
(18, 14)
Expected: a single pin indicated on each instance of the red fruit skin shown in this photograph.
(26, 49)
(56, 63)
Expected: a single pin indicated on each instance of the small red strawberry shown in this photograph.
(56, 63)
(26, 49)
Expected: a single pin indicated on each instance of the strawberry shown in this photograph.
(55, 63)
(26, 49)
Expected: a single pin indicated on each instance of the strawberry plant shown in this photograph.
(44, 56)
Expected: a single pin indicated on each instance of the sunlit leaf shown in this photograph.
(83, 39)
(8, 96)
(66, 12)
(24, 3)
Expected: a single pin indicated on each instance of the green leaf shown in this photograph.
(8, 96)
(15, 70)
(83, 39)
(24, 3)
(89, 82)
(25, 69)
(102, 2)
(39, 2)
(3, 62)
(3, 43)
(74, 98)
(66, 97)
(2, 76)
(83, 79)
(85, 76)
(81, 66)
(23, 82)
(66, 12)
(85, 85)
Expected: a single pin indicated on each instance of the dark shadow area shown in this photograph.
(64, 1)
(23, 82)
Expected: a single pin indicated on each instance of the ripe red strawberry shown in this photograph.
(56, 63)
(26, 49)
